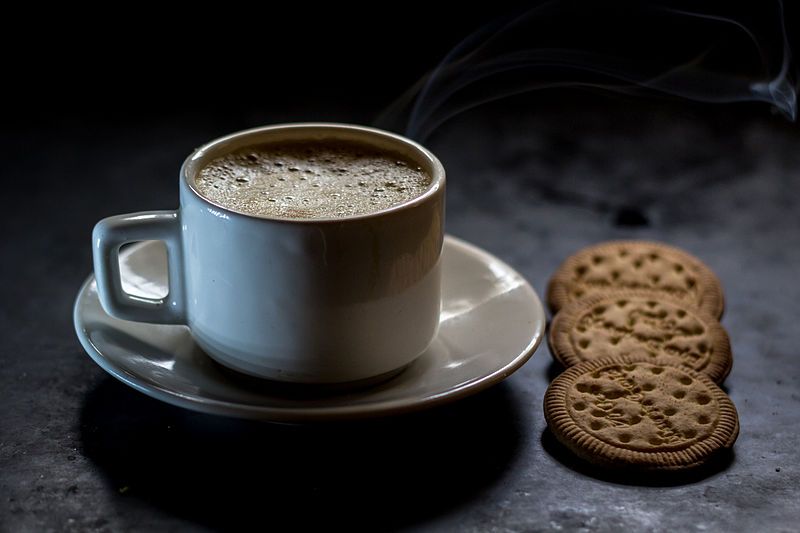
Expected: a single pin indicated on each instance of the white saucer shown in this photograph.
(492, 322)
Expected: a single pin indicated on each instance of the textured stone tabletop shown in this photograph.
(80, 451)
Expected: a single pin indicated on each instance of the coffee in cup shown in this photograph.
(311, 179)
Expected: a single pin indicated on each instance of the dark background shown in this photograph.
(99, 110)
(138, 63)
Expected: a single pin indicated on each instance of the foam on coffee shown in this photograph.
(311, 179)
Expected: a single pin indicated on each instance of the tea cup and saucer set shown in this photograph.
(306, 318)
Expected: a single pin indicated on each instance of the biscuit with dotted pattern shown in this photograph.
(641, 414)
(646, 265)
(640, 323)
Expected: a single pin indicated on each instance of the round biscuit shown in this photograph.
(640, 414)
(639, 322)
(616, 265)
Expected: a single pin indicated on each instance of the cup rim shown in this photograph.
(191, 165)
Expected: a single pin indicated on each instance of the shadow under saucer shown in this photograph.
(222, 472)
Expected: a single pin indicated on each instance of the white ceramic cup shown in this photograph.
(330, 300)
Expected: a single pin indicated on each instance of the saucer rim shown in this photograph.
(322, 413)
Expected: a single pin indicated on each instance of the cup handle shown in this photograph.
(111, 233)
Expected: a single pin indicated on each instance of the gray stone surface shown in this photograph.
(530, 183)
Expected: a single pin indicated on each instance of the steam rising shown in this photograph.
(619, 46)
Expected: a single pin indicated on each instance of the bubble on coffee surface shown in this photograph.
(311, 179)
